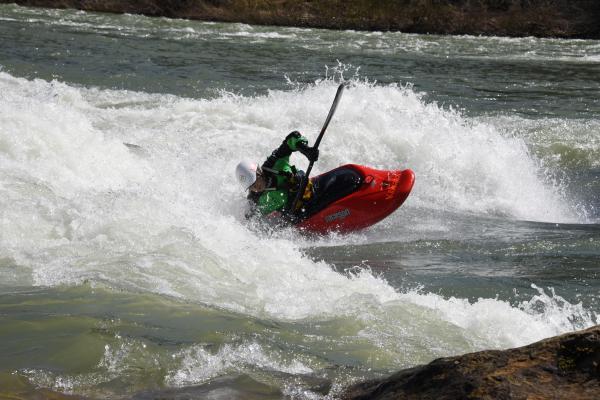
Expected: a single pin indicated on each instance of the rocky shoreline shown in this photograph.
(516, 18)
(562, 367)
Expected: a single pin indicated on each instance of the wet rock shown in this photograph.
(562, 367)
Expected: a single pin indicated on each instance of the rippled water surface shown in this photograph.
(130, 271)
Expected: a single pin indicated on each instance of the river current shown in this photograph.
(131, 272)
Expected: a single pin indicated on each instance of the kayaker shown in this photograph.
(273, 186)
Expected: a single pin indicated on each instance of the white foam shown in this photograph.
(47, 135)
(198, 365)
(79, 206)
(486, 322)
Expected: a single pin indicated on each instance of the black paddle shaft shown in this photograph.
(304, 181)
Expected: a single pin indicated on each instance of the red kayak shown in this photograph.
(353, 197)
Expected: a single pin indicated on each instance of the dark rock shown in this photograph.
(545, 18)
(580, 353)
(562, 367)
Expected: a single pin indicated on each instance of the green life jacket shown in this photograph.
(280, 174)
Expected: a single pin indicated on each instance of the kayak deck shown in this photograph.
(353, 197)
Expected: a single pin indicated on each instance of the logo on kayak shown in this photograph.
(391, 186)
(338, 215)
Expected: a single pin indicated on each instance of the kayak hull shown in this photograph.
(379, 193)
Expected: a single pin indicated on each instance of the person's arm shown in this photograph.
(293, 142)
(309, 152)
(298, 142)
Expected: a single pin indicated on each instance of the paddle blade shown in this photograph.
(336, 100)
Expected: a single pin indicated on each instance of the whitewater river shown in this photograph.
(131, 271)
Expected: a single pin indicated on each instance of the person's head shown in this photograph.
(250, 176)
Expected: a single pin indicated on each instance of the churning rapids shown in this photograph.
(131, 270)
